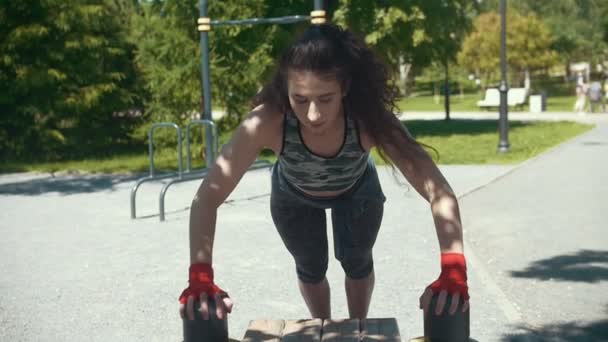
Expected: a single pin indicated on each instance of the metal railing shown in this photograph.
(254, 21)
(258, 164)
(215, 147)
(181, 176)
(152, 176)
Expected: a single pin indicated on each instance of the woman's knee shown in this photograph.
(311, 272)
(358, 266)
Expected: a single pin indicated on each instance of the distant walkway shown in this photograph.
(491, 115)
(513, 116)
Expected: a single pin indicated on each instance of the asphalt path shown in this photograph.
(74, 265)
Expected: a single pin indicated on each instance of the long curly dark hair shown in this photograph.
(370, 98)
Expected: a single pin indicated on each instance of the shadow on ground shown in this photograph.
(588, 266)
(455, 126)
(564, 332)
(66, 185)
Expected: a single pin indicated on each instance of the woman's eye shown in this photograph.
(304, 101)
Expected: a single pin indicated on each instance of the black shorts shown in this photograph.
(356, 216)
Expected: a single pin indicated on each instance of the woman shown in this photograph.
(328, 104)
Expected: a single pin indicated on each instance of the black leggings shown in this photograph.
(301, 222)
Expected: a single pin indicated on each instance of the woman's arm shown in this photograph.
(257, 131)
(421, 172)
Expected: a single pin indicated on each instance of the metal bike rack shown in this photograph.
(152, 175)
(258, 164)
(190, 175)
(215, 147)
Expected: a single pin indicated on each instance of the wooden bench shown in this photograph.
(317, 330)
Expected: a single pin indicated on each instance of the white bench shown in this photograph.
(492, 99)
(515, 97)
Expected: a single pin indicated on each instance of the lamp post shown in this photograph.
(447, 91)
(447, 81)
(503, 123)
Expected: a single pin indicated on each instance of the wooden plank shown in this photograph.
(341, 330)
(302, 330)
(380, 330)
(264, 330)
(418, 339)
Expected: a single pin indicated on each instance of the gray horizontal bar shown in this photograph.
(253, 21)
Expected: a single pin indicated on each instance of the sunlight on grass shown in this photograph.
(476, 142)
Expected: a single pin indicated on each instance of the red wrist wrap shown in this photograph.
(201, 281)
(453, 277)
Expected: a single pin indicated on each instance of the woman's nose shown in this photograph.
(313, 113)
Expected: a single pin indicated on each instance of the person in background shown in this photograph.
(606, 95)
(596, 97)
(581, 98)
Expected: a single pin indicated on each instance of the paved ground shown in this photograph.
(74, 266)
(516, 116)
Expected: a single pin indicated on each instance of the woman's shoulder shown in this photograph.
(264, 117)
(365, 138)
(267, 111)
(266, 123)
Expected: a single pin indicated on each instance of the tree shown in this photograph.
(240, 56)
(531, 42)
(415, 32)
(436, 73)
(169, 57)
(72, 72)
(576, 25)
(65, 73)
(528, 45)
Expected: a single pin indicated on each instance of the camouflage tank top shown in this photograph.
(310, 172)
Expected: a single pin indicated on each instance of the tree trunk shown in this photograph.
(527, 83)
(404, 72)
(436, 94)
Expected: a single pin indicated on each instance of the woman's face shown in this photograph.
(315, 99)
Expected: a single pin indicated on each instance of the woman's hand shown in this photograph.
(202, 288)
(452, 281)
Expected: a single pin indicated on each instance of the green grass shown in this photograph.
(468, 103)
(561, 103)
(164, 160)
(457, 141)
(476, 141)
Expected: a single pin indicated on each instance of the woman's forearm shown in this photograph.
(202, 231)
(446, 216)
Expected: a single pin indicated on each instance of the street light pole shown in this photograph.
(318, 5)
(503, 123)
(447, 91)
